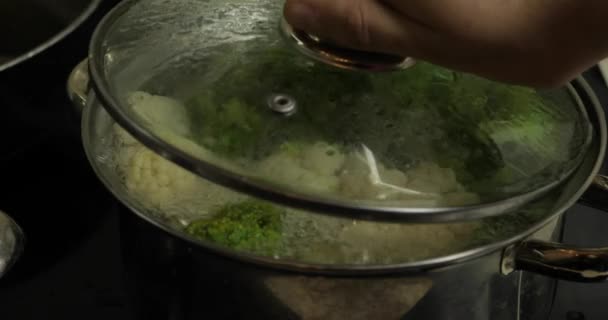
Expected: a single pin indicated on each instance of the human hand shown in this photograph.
(542, 43)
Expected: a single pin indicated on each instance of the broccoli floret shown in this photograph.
(228, 128)
(249, 225)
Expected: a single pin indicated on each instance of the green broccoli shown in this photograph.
(234, 129)
(494, 134)
(231, 116)
(478, 128)
(249, 225)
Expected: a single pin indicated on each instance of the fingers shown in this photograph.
(498, 39)
(372, 26)
(446, 15)
(358, 24)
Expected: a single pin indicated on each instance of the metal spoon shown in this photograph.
(11, 242)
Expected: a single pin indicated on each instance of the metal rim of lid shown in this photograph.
(277, 194)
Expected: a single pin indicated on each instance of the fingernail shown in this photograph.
(300, 15)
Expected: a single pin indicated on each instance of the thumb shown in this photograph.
(357, 24)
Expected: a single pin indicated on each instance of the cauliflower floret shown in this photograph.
(310, 166)
(156, 180)
(355, 179)
(167, 188)
(152, 178)
(160, 112)
(170, 122)
(286, 168)
(425, 185)
(429, 177)
(162, 185)
(322, 158)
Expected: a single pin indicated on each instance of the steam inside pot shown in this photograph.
(198, 82)
(217, 86)
(214, 214)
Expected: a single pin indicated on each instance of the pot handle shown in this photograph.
(11, 242)
(78, 85)
(560, 261)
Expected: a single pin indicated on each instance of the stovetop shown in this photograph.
(72, 268)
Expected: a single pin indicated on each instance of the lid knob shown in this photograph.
(282, 104)
(322, 51)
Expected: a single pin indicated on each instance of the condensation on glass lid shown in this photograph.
(258, 116)
(314, 166)
(347, 142)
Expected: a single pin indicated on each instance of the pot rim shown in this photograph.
(74, 24)
(100, 95)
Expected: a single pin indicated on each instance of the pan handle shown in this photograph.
(78, 86)
(561, 261)
(556, 260)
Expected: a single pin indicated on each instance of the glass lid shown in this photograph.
(217, 87)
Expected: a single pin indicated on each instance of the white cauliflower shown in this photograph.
(145, 172)
(356, 180)
(160, 112)
(313, 167)
(155, 181)
(322, 168)
(423, 185)
(155, 178)
(166, 187)
(430, 177)
(172, 191)
(322, 159)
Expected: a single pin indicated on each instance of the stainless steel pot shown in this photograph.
(169, 278)
(483, 283)
(192, 279)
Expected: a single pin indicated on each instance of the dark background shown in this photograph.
(72, 266)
